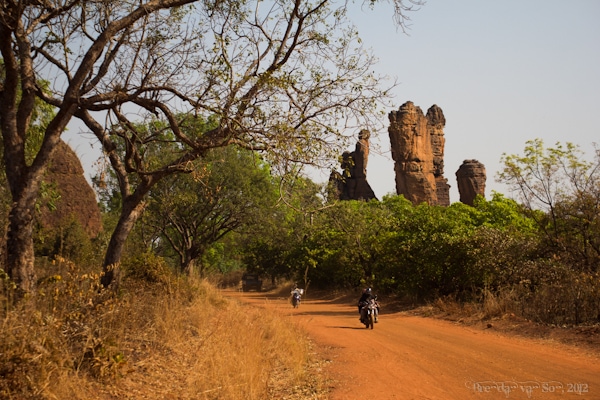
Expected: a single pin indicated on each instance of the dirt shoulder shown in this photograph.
(412, 356)
(584, 337)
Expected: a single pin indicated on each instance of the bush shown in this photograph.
(148, 267)
(572, 299)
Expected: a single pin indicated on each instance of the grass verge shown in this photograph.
(175, 339)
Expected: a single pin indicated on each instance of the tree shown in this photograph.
(39, 42)
(231, 188)
(274, 244)
(284, 79)
(561, 189)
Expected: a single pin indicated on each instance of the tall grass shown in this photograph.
(176, 339)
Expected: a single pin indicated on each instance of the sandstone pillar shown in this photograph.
(471, 181)
(352, 183)
(412, 152)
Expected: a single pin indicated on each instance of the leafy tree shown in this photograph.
(274, 244)
(348, 243)
(282, 79)
(501, 213)
(230, 189)
(543, 176)
(428, 250)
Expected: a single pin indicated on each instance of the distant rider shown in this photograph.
(297, 293)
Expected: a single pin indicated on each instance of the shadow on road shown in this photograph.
(362, 328)
(325, 313)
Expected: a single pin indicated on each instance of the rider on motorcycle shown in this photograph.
(296, 293)
(364, 300)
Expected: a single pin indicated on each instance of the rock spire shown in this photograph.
(352, 183)
(417, 143)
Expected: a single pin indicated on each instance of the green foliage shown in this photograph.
(274, 243)
(501, 212)
(227, 189)
(222, 257)
(422, 251)
(345, 243)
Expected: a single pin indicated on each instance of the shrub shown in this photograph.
(148, 267)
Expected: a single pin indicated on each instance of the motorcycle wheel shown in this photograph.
(371, 321)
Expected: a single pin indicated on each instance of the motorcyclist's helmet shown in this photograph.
(368, 291)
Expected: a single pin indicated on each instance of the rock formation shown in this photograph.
(471, 181)
(77, 198)
(417, 143)
(435, 124)
(352, 183)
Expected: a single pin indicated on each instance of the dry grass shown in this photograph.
(173, 340)
(489, 306)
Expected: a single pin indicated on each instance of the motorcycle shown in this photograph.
(296, 297)
(369, 313)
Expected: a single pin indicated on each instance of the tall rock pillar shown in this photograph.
(435, 124)
(417, 144)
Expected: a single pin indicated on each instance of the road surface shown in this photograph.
(408, 357)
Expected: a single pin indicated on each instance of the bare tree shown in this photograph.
(283, 77)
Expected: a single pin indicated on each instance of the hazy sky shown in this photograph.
(503, 72)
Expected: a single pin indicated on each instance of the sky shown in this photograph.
(503, 72)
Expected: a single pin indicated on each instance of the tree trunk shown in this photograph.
(188, 267)
(19, 245)
(24, 183)
(132, 209)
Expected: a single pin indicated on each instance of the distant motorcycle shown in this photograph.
(369, 313)
(296, 297)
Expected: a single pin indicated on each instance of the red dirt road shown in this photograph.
(408, 357)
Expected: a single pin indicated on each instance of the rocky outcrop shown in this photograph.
(471, 179)
(417, 144)
(77, 198)
(352, 183)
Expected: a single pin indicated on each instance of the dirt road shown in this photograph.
(408, 357)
